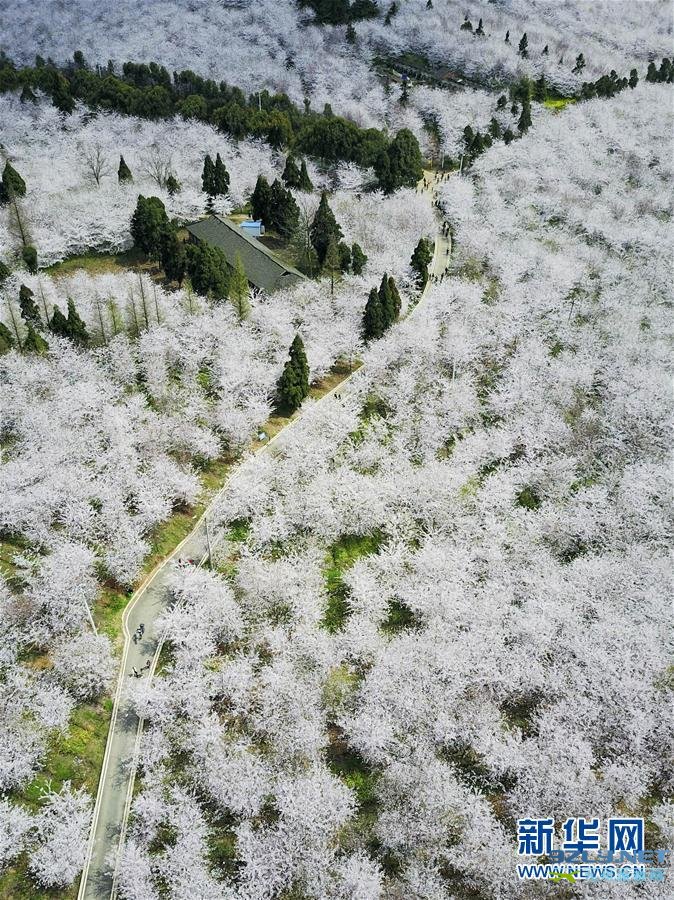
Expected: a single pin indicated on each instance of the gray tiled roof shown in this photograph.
(263, 269)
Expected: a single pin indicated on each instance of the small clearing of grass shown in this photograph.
(559, 103)
(400, 618)
(99, 263)
(75, 755)
(341, 556)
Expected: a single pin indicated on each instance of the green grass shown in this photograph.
(75, 755)
(400, 617)
(98, 263)
(559, 103)
(341, 556)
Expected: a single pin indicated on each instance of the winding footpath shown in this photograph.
(115, 790)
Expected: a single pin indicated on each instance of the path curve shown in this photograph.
(115, 790)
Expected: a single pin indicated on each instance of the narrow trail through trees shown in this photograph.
(115, 790)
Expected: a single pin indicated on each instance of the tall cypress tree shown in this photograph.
(523, 46)
(358, 259)
(524, 123)
(373, 317)
(324, 228)
(33, 342)
(220, 177)
(29, 311)
(124, 175)
(291, 174)
(260, 200)
(239, 289)
(395, 297)
(305, 182)
(386, 302)
(172, 257)
(149, 225)
(284, 213)
(77, 330)
(5, 271)
(421, 259)
(208, 177)
(12, 184)
(59, 323)
(293, 385)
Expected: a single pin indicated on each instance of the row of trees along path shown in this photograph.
(115, 790)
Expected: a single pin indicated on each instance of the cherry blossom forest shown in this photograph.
(443, 602)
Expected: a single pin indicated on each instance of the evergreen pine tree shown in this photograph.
(172, 185)
(395, 296)
(284, 212)
(28, 95)
(208, 270)
(634, 78)
(358, 259)
(507, 37)
(305, 182)
(494, 128)
(59, 323)
(324, 228)
(124, 175)
(239, 289)
(545, 50)
(523, 48)
(220, 177)
(260, 200)
(373, 319)
(12, 184)
(540, 89)
(6, 338)
(508, 136)
(392, 10)
(291, 174)
(386, 303)
(149, 224)
(208, 177)
(33, 342)
(421, 259)
(501, 102)
(344, 256)
(172, 257)
(332, 262)
(651, 73)
(29, 311)
(29, 256)
(293, 385)
(351, 35)
(5, 271)
(77, 330)
(524, 123)
(466, 25)
(479, 30)
(580, 63)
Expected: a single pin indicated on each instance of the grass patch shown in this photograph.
(75, 755)
(400, 617)
(558, 104)
(99, 263)
(341, 556)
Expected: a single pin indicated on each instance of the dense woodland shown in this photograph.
(442, 606)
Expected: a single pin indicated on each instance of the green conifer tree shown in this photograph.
(358, 259)
(293, 385)
(395, 295)
(33, 342)
(324, 228)
(208, 177)
(291, 174)
(12, 184)
(124, 175)
(523, 48)
(172, 257)
(524, 123)
(172, 185)
(260, 200)
(305, 182)
(220, 178)
(421, 259)
(373, 318)
(29, 310)
(239, 289)
(59, 323)
(6, 338)
(386, 302)
(149, 224)
(77, 330)
(29, 256)
(5, 271)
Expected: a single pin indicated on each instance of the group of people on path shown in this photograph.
(134, 673)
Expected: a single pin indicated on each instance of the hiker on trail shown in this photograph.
(141, 628)
(147, 664)
(134, 672)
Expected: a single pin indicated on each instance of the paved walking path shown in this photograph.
(115, 790)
